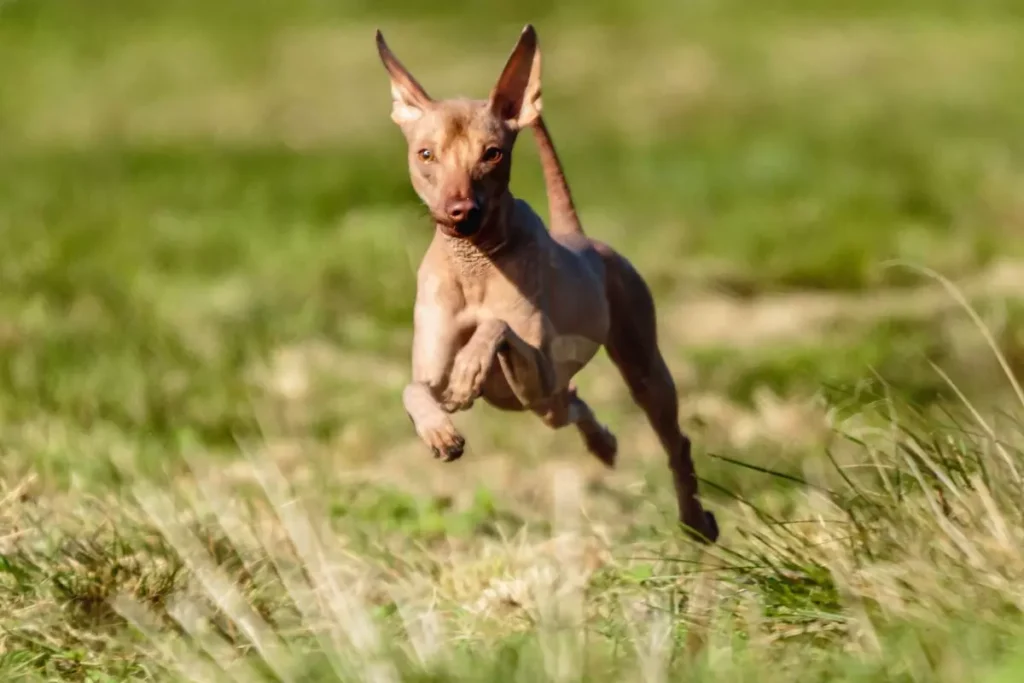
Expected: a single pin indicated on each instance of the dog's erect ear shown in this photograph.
(409, 99)
(516, 97)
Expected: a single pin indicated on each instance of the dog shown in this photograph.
(506, 309)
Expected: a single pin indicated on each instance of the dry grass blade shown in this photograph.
(986, 334)
(348, 613)
(191, 616)
(179, 655)
(217, 585)
(308, 601)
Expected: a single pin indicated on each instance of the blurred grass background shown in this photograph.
(209, 236)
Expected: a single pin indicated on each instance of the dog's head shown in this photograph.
(460, 151)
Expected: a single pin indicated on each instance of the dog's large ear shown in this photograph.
(409, 99)
(516, 97)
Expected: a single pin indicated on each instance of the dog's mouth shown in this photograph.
(467, 227)
(471, 224)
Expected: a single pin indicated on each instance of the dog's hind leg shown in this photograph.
(568, 408)
(633, 347)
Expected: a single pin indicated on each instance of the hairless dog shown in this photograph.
(506, 309)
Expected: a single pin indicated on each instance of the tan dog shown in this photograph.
(507, 310)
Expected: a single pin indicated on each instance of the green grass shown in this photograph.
(209, 243)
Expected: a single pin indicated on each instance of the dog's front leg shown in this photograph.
(435, 333)
(432, 423)
(528, 370)
(473, 363)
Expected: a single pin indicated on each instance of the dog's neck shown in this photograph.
(471, 255)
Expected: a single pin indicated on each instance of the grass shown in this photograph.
(207, 284)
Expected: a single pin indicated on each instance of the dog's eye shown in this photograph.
(492, 155)
(425, 155)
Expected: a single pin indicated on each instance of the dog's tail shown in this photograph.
(563, 219)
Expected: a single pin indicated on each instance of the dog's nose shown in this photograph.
(459, 210)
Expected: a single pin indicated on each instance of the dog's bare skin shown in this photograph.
(506, 309)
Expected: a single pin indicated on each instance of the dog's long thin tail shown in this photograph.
(563, 218)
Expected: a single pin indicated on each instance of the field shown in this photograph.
(206, 286)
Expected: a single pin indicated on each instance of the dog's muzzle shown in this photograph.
(465, 216)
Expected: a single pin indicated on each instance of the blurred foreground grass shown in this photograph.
(209, 242)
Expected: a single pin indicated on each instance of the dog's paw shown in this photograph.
(710, 526)
(467, 376)
(443, 439)
(703, 528)
(603, 445)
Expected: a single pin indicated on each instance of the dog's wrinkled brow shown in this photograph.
(455, 126)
